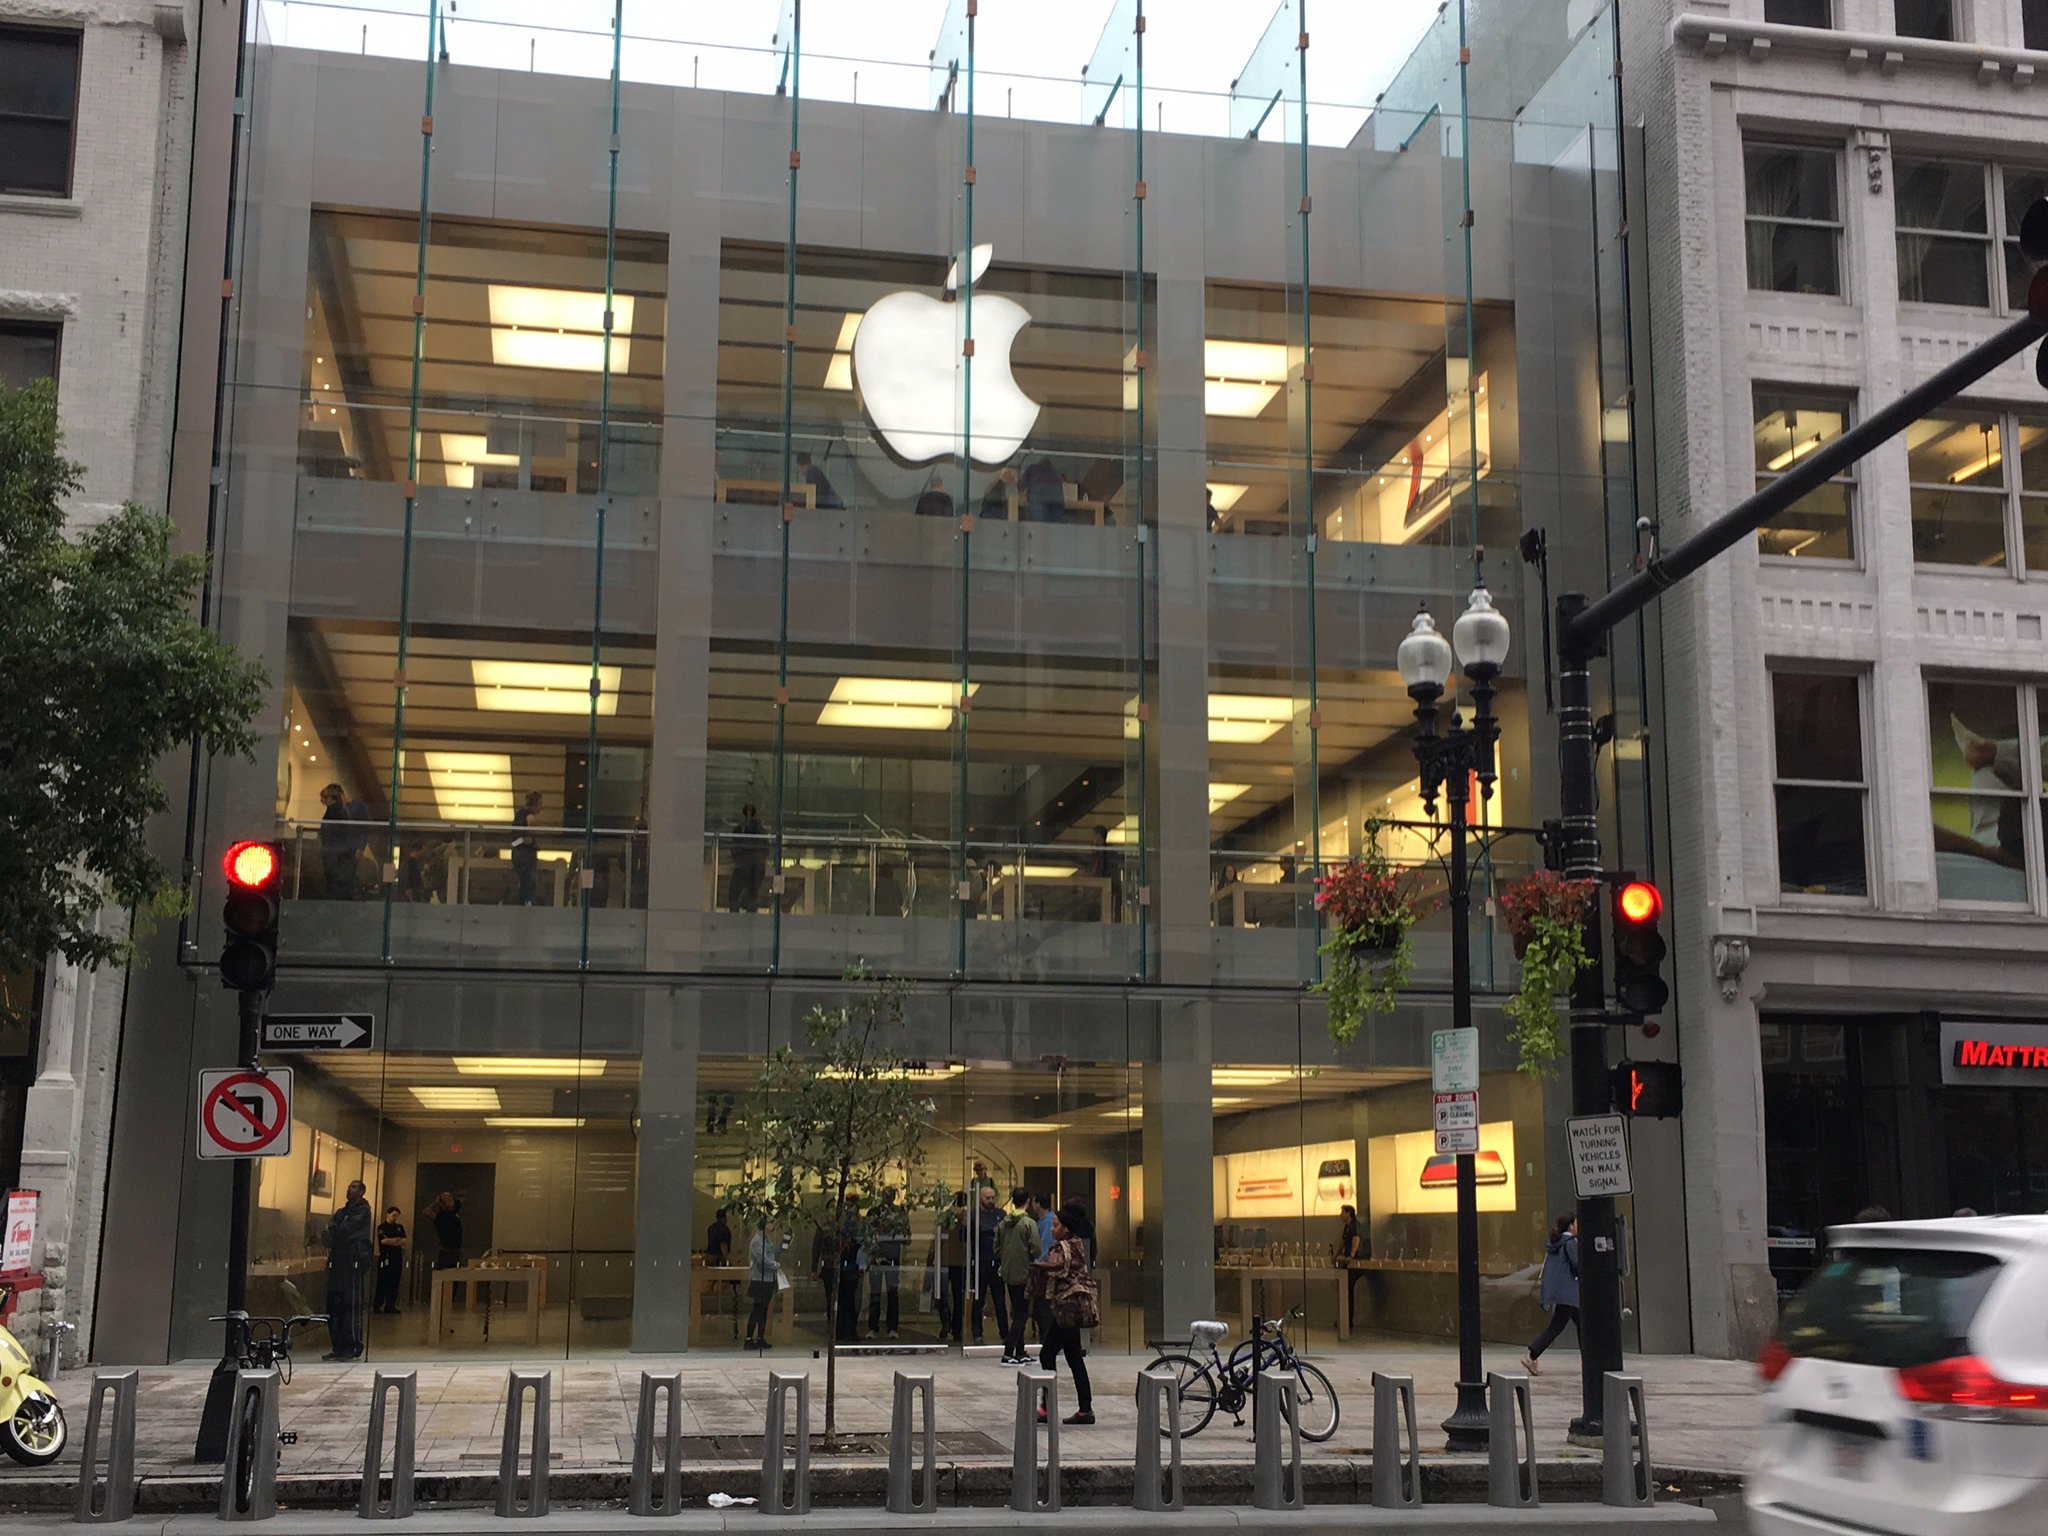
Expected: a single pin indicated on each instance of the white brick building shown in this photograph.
(96, 121)
(1829, 190)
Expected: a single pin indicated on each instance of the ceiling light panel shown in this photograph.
(530, 1066)
(1247, 717)
(470, 786)
(533, 1122)
(892, 703)
(559, 328)
(543, 687)
(456, 1098)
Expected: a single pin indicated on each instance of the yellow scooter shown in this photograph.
(32, 1428)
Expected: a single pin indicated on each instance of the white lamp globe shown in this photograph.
(1481, 636)
(1425, 656)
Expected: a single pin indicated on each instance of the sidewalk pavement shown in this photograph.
(1702, 1413)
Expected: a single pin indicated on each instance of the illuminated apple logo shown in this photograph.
(906, 359)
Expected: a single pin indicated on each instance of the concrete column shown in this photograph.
(682, 655)
(1177, 1140)
(664, 1218)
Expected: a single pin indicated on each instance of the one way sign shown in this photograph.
(318, 1032)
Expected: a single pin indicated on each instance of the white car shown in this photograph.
(1906, 1392)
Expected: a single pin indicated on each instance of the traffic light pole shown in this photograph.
(1582, 629)
(212, 1444)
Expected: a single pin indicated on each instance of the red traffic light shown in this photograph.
(1639, 902)
(250, 866)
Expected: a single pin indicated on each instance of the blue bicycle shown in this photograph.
(1204, 1385)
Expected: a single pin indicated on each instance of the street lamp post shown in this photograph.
(1450, 762)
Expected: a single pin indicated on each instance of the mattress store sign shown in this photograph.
(1992, 1054)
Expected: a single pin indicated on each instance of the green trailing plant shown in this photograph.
(1545, 914)
(1369, 910)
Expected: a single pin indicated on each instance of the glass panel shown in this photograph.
(1926, 18)
(1794, 237)
(2023, 188)
(1819, 727)
(1934, 268)
(1821, 524)
(1956, 461)
(2034, 23)
(1979, 800)
(1799, 13)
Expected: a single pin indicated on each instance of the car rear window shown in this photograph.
(1888, 1306)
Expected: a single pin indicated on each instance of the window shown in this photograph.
(1944, 232)
(1984, 768)
(1890, 1307)
(2022, 188)
(1795, 219)
(1790, 425)
(38, 102)
(28, 351)
(1934, 19)
(1977, 474)
(2034, 23)
(1819, 781)
(1799, 13)
(1956, 463)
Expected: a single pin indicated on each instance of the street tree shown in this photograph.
(104, 671)
(825, 1132)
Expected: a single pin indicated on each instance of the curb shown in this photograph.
(960, 1485)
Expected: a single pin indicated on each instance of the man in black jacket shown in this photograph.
(348, 1261)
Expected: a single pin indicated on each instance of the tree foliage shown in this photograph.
(103, 671)
(826, 1131)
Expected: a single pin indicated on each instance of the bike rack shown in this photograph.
(519, 1386)
(1396, 1475)
(104, 1503)
(1155, 1487)
(1626, 1476)
(1036, 1390)
(370, 1506)
(1511, 1442)
(248, 1489)
(913, 1491)
(797, 1501)
(1276, 1484)
(642, 1498)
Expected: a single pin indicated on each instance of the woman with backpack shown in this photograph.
(1065, 1280)
(1560, 1290)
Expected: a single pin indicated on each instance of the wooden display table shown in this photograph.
(531, 1278)
(1339, 1279)
(705, 1277)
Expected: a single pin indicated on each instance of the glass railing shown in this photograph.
(356, 436)
(492, 864)
(863, 876)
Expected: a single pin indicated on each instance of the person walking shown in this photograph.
(1560, 1290)
(1066, 1281)
(1017, 1248)
(952, 1240)
(1040, 1209)
(337, 846)
(890, 1232)
(764, 1279)
(390, 1261)
(526, 850)
(445, 1216)
(853, 1263)
(749, 861)
(348, 1260)
(1350, 1249)
(987, 1288)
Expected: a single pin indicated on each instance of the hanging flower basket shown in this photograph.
(1545, 914)
(1369, 910)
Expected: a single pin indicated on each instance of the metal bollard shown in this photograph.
(248, 1477)
(519, 1386)
(1155, 1487)
(913, 1491)
(371, 1506)
(642, 1499)
(1626, 1476)
(1396, 1475)
(1511, 1442)
(1036, 1391)
(781, 1385)
(1276, 1484)
(115, 1499)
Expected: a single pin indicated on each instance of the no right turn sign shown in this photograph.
(244, 1113)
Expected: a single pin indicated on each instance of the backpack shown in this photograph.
(1076, 1297)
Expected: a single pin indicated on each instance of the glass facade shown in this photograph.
(707, 537)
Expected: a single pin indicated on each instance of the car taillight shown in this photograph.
(1772, 1360)
(1966, 1382)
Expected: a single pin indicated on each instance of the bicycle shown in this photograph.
(265, 1343)
(1202, 1386)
